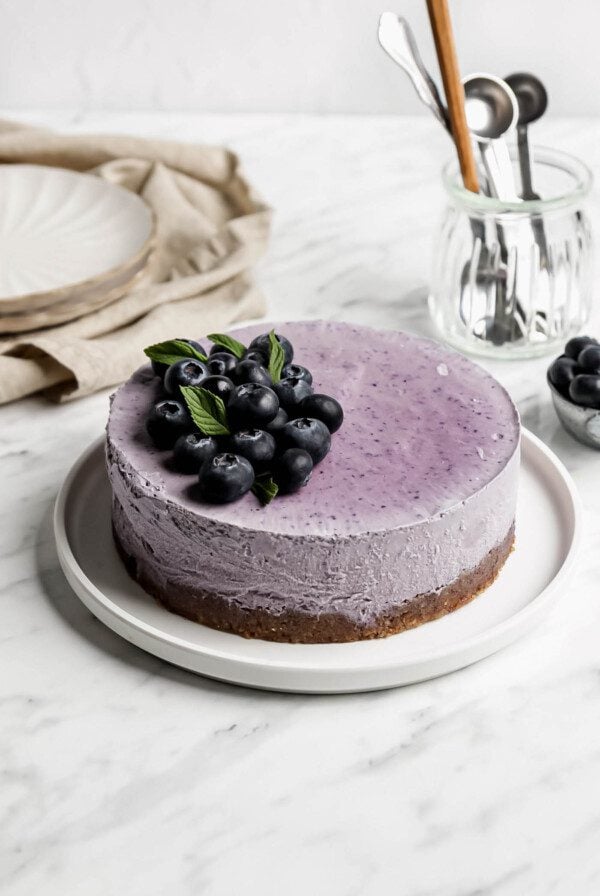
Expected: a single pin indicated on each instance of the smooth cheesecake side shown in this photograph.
(409, 517)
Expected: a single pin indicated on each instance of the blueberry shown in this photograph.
(220, 349)
(252, 405)
(251, 372)
(577, 344)
(585, 390)
(258, 357)
(160, 369)
(589, 359)
(184, 373)
(276, 425)
(219, 385)
(221, 363)
(561, 372)
(291, 392)
(262, 344)
(292, 470)
(255, 445)
(195, 345)
(309, 434)
(192, 450)
(225, 478)
(325, 408)
(298, 371)
(168, 420)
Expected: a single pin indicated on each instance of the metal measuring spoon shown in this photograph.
(492, 111)
(533, 101)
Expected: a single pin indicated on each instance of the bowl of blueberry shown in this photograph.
(574, 380)
(240, 418)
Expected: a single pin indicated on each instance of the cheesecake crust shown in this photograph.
(327, 628)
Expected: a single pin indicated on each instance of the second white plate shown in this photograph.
(548, 514)
(62, 233)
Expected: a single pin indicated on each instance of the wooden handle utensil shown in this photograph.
(441, 26)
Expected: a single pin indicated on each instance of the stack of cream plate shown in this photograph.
(70, 243)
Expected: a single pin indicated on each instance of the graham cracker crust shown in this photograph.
(327, 628)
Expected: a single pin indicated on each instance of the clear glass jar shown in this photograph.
(514, 279)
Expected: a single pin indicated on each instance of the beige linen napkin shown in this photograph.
(211, 228)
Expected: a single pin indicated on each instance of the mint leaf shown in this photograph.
(207, 410)
(276, 357)
(228, 342)
(265, 489)
(171, 351)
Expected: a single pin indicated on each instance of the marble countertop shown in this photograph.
(123, 774)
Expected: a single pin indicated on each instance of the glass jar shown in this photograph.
(514, 279)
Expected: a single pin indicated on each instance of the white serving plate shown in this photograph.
(548, 514)
(65, 235)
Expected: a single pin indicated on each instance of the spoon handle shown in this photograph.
(527, 192)
(441, 26)
(506, 185)
(524, 162)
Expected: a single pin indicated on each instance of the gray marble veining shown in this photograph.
(120, 773)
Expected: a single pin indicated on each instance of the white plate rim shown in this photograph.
(471, 649)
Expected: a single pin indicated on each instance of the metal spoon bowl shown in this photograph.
(531, 96)
(492, 110)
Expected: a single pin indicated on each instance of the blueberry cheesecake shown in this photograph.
(318, 482)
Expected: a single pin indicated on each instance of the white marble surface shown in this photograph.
(122, 774)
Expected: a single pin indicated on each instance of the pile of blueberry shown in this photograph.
(240, 418)
(576, 373)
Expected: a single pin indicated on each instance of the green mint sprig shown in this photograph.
(229, 343)
(276, 357)
(207, 410)
(173, 350)
(265, 488)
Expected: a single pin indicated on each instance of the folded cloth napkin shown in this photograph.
(211, 228)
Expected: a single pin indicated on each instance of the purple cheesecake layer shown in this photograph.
(424, 429)
(419, 486)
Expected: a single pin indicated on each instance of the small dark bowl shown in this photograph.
(580, 422)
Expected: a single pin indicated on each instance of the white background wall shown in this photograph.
(276, 55)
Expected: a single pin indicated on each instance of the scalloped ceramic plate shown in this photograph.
(66, 238)
(548, 514)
